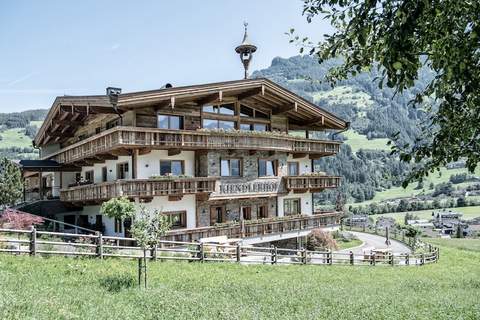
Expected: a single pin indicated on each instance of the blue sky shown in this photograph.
(51, 48)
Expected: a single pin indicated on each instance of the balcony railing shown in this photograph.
(313, 182)
(253, 228)
(142, 188)
(152, 138)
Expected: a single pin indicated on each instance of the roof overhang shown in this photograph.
(69, 112)
(31, 166)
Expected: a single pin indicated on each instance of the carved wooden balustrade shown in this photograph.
(311, 182)
(141, 188)
(152, 138)
(253, 228)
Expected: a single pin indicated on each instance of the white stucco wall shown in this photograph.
(305, 202)
(304, 164)
(149, 164)
(186, 204)
(111, 169)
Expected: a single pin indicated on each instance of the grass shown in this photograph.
(345, 95)
(14, 138)
(358, 141)
(460, 244)
(66, 288)
(37, 123)
(409, 191)
(348, 244)
(468, 213)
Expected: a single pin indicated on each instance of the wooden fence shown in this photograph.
(34, 242)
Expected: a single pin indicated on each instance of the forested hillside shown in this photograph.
(17, 130)
(375, 115)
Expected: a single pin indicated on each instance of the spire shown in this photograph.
(245, 50)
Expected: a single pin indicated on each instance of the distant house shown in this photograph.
(423, 224)
(357, 221)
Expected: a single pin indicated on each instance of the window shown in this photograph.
(98, 130)
(89, 176)
(253, 126)
(171, 167)
(113, 123)
(260, 127)
(252, 113)
(266, 168)
(262, 212)
(169, 122)
(247, 213)
(104, 174)
(118, 225)
(246, 111)
(70, 219)
(122, 170)
(225, 109)
(78, 177)
(293, 168)
(291, 207)
(218, 124)
(177, 219)
(230, 167)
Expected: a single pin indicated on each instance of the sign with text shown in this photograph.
(256, 187)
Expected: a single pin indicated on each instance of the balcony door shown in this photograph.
(217, 214)
(247, 213)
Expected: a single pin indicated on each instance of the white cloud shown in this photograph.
(115, 46)
(21, 79)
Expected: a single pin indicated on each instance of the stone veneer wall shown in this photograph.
(233, 207)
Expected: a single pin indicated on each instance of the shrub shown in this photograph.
(320, 240)
(115, 283)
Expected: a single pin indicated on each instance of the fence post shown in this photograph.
(273, 253)
(153, 253)
(351, 258)
(200, 253)
(422, 259)
(33, 241)
(304, 256)
(437, 254)
(372, 259)
(407, 259)
(329, 257)
(238, 252)
(392, 259)
(99, 245)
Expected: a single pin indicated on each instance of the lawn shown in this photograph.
(66, 288)
(468, 213)
(358, 141)
(348, 244)
(14, 138)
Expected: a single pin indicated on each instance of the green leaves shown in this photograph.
(401, 36)
(11, 184)
(118, 208)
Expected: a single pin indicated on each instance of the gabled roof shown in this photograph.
(69, 112)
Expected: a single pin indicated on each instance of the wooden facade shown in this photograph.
(196, 128)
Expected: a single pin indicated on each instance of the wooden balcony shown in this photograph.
(122, 138)
(141, 188)
(311, 183)
(254, 228)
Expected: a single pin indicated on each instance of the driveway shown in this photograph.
(371, 241)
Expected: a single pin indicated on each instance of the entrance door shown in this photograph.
(99, 223)
(217, 215)
(247, 213)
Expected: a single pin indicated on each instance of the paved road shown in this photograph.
(371, 241)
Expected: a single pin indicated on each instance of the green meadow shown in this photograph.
(68, 288)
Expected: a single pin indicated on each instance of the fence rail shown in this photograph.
(44, 243)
